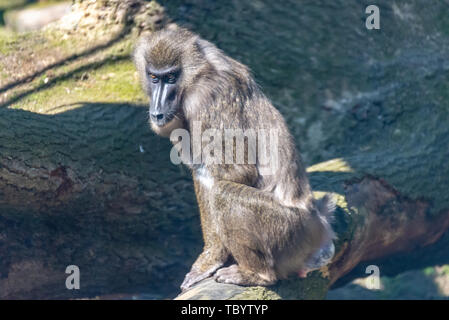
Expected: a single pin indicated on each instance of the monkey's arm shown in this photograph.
(214, 254)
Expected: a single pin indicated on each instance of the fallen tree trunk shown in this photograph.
(83, 183)
(373, 221)
(92, 186)
(86, 188)
(374, 101)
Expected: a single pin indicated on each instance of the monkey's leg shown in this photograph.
(205, 265)
(214, 254)
(255, 263)
(267, 239)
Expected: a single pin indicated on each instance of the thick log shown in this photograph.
(93, 187)
(373, 221)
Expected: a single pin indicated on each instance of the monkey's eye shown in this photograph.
(154, 78)
(171, 78)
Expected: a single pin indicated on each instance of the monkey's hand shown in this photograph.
(207, 263)
(235, 275)
(195, 276)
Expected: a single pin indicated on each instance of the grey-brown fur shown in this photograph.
(269, 225)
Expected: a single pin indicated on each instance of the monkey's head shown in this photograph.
(168, 62)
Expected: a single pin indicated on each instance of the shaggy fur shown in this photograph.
(269, 224)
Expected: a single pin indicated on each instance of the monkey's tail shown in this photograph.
(326, 207)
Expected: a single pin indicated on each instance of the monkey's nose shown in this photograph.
(157, 116)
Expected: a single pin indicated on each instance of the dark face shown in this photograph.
(164, 87)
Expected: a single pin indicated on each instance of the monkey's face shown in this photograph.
(163, 88)
(167, 61)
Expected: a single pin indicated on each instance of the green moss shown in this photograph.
(314, 287)
(334, 165)
(43, 4)
(7, 4)
(106, 76)
(115, 81)
(257, 293)
(429, 271)
(9, 40)
(445, 270)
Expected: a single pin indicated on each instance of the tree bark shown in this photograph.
(96, 189)
(373, 222)
(93, 187)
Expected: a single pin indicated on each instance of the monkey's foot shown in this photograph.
(303, 273)
(195, 276)
(234, 275)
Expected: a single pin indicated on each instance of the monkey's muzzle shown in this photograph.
(160, 119)
(163, 104)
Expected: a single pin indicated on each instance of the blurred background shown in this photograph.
(99, 191)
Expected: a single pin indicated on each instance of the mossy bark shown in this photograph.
(92, 186)
(375, 224)
(375, 101)
(95, 188)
